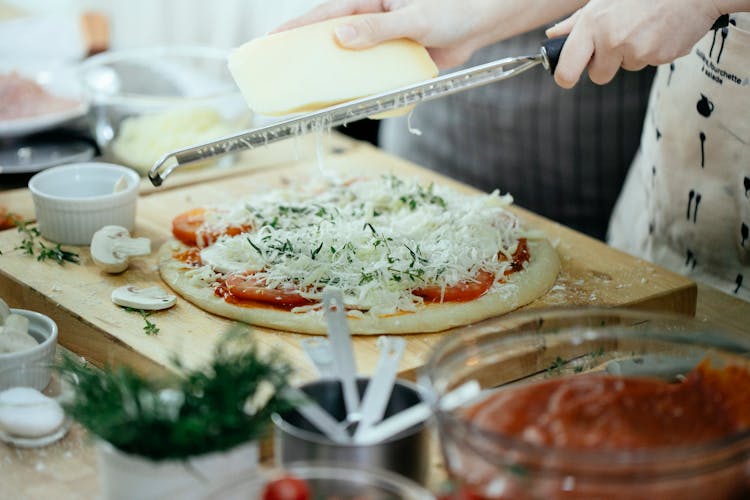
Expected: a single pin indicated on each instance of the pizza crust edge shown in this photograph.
(520, 289)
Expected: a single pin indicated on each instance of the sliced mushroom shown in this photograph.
(149, 299)
(112, 246)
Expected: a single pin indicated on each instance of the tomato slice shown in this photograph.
(249, 287)
(287, 488)
(187, 227)
(463, 291)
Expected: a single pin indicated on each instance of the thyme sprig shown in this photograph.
(188, 413)
(29, 246)
(150, 328)
(57, 254)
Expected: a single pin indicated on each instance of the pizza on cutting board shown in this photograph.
(408, 257)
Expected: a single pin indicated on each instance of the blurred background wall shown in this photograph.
(137, 23)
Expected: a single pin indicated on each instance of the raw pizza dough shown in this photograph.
(520, 289)
(513, 291)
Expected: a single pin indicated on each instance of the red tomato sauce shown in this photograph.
(520, 257)
(191, 257)
(597, 411)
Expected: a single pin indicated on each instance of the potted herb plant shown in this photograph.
(182, 435)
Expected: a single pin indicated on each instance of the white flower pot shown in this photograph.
(124, 476)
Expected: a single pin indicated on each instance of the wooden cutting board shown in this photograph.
(306, 148)
(77, 296)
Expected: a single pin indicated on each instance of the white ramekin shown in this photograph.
(74, 201)
(44, 330)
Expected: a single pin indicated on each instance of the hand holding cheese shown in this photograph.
(452, 31)
(305, 69)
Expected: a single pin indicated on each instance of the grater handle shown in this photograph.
(551, 50)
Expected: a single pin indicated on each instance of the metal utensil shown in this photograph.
(350, 111)
(318, 416)
(379, 389)
(319, 353)
(343, 352)
(296, 439)
(416, 414)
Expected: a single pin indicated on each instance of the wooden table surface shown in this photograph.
(77, 296)
(68, 468)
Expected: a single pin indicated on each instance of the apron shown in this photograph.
(686, 201)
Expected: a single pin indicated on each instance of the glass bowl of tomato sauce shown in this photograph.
(589, 403)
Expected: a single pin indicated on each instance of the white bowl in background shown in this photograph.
(44, 330)
(74, 201)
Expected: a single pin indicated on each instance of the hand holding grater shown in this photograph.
(354, 110)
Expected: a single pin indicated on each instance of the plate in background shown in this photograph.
(58, 79)
(23, 157)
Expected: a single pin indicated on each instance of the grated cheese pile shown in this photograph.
(376, 239)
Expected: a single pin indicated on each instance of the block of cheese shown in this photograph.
(305, 69)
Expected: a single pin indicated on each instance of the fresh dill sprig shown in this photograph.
(187, 413)
(29, 245)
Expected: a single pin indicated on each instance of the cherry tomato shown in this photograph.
(461, 292)
(287, 488)
(248, 287)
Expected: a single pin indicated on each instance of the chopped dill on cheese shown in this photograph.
(377, 239)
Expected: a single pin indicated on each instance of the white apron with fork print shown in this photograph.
(686, 202)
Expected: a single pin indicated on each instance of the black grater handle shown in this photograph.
(551, 50)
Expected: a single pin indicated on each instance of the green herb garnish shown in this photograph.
(556, 367)
(257, 249)
(187, 413)
(315, 252)
(29, 244)
(150, 328)
(57, 254)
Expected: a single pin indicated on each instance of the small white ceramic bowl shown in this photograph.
(74, 201)
(44, 330)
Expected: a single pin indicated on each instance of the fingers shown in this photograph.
(371, 29)
(575, 56)
(603, 67)
(445, 58)
(633, 65)
(331, 9)
(563, 27)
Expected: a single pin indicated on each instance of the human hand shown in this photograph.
(606, 35)
(450, 30)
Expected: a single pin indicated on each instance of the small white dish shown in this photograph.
(38, 442)
(54, 387)
(12, 364)
(74, 201)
